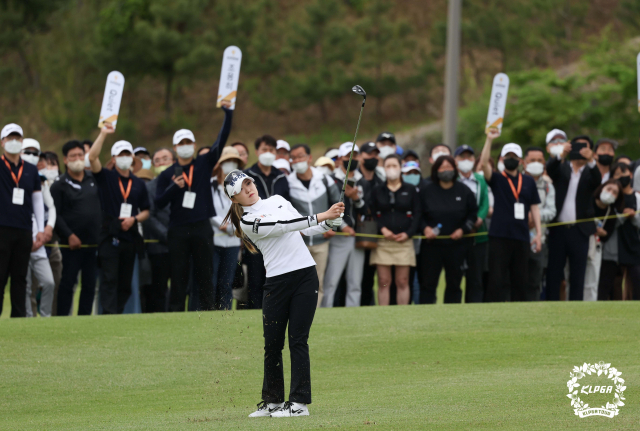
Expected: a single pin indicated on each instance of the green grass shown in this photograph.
(479, 366)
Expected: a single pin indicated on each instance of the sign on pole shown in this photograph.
(112, 98)
(498, 102)
(229, 76)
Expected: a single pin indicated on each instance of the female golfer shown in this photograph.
(290, 290)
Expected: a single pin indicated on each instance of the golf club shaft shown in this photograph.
(344, 184)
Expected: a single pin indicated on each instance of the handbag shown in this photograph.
(368, 227)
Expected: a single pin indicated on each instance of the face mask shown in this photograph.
(511, 164)
(370, 164)
(607, 198)
(160, 169)
(300, 167)
(325, 170)
(87, 163)
(392, 174)
(354, 164)
(76, 166)
(185, 151)
(446, 176)
(465, 166)
(30, 158)
(500, 166)
(49, 174)
(481, 173)
(605, 159)
(267, 159)
(535, 168)
(13, 146)
(413, 179)
(556, 150)
(438, 154)
(625, 181)
(146, 164)
(124, 162)
(387, 150)
(228, 166)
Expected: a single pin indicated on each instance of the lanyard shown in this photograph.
(513, 189)
(17, 180)
(188, 179)
(125, 195)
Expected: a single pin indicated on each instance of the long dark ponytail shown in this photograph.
(234, 215)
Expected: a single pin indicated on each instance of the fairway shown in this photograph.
(480, 366)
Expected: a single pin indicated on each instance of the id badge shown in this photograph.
(519, 211)
(189, 200)
(125, 210)
(18, 196)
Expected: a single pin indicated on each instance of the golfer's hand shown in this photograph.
(336, 211)
(179, 181)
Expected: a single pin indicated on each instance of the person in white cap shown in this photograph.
(20, 198)
(509, 239)
(273, 226)
(555, 140)
(125, 203)
(283, 150)
(186, 187)
(283, 166)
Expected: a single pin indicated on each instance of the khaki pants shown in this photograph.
(320, 253)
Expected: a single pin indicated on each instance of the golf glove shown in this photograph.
(334, 223)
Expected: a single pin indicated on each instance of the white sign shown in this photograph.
(614, 385)
(498, 102)
(638, 64)
(112, 97)
(229, 76)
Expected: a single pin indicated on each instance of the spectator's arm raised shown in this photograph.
(96, 148)
(486, 153)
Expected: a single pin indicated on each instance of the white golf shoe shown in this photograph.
(265, 409)
(291, 409)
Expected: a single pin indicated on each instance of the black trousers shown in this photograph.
(256, 277)
(536, 271)
(156, 292)
(116, 265)
(195, 241)
(15, 251)
(475, 257)
(608, 272)
(507, 269)
(567, 242)
(368, 276)
(433, 258)
(84, 260)
(288, 298)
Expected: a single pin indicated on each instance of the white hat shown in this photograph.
(411, 166)
(9, 129)
(281, 163)
(121, 146)
(345, 149)
(332, 153)
(554, 133)
(511, 148)
(233, 182)
(282, 144)
(30, 143)
(183, 134)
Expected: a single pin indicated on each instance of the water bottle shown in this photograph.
(533, 245)
(436, 230)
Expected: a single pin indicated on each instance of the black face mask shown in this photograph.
(370, 164)
(605, 159)
(511, 164)
(446, 176)
(625, 181)
(354, 164)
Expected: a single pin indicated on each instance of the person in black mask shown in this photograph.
(605, 153)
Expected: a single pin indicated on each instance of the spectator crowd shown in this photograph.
(145, 232)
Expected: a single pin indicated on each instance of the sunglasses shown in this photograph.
(31, 153)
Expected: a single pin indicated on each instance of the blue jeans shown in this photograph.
(224, 269)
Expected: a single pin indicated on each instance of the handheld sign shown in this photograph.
(111, 100)
(229, 76)
(498, 102)
(638, 65)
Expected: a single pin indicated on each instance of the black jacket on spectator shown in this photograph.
(351, 212)
(454, 208)
(560, 174)
(398, 211)
(274, 184)
(156, 227)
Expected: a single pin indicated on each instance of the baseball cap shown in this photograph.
(410, 153)
(141, 150)
(332, 153)
(183, 134)
(282, 164)
(511, 148)
(282, 144)
(345, 149)
(9, 129)
(555, 132)
(369, 147)
(613, 143)
(462, 148)
(233, 182)
(386, 136)
(121, 146)
(411, 166)
(30, 143)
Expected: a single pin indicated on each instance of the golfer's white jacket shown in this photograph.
(274, 226)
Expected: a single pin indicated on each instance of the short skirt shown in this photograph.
(393, 253)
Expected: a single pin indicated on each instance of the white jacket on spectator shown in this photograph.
(221, 204)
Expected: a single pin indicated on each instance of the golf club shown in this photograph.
(359, 91)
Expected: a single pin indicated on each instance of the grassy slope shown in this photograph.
(483, 366)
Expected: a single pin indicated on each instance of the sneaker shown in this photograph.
(291, 409)
(265, 409)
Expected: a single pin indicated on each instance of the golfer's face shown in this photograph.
(248, 194)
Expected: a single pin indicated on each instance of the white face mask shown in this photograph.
(76, 166)
(185, 151)
(49, 174)
(87, 163)
(535, 168)
(124, 162)
(267, 159)
(481, 173)
(387, 150)
(500, 166)
(29, 158)
(438, 154)
(325, 170)
(392, 173)
(300, 167)
(465, 166)
(607, 198)
(557, 150)
(228, 166)
(13, 146)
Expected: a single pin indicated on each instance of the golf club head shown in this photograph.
(359, 90)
